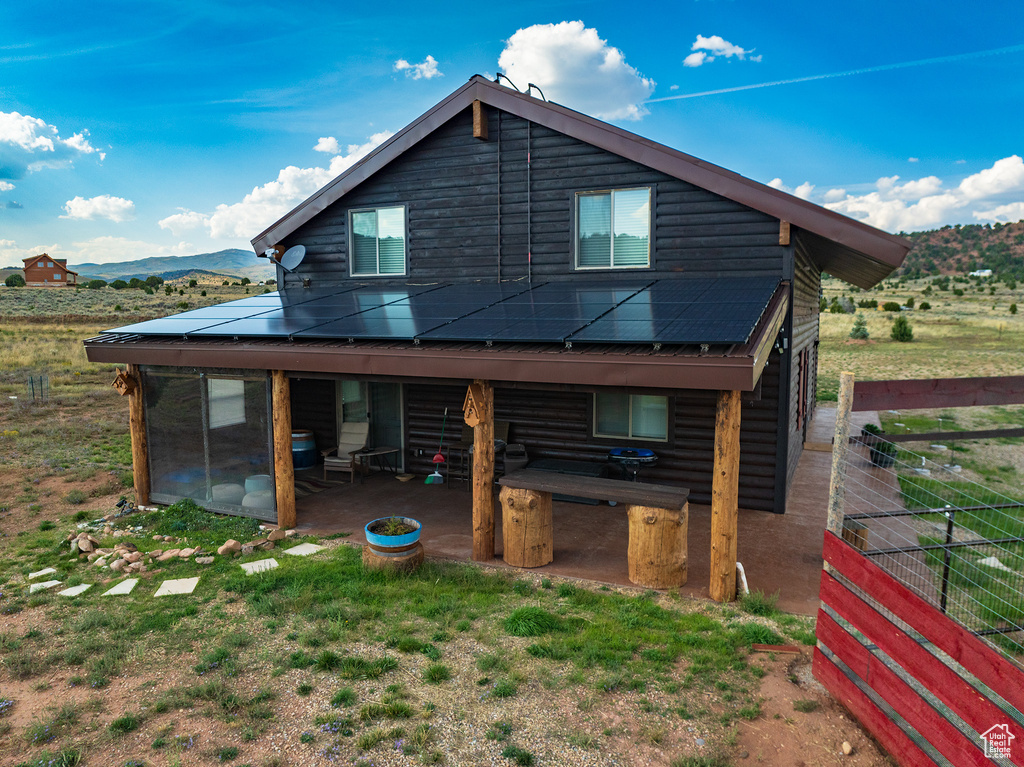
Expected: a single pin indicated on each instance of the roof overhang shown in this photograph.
(734, 368)
(851, 239)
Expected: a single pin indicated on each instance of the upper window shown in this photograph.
(613, 229)
(631, 416)
(378, 241)
(56, 275)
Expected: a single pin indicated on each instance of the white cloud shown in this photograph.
(695, 59)
(182, 222)
(803, 191)
(1008, 213)
(913, 159)
(924, 203)
(426, 69)
(99, 250)
(267, 203)
(834, 195)
(116, 209)
(707, 49)
(327, 144)
(6, 186)
(572, 65)
(28, 143)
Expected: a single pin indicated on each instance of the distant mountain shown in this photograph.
(963, 249)
(232, 263)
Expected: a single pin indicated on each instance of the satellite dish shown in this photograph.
(292, 257)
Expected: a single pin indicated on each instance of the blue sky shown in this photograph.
(153, 128)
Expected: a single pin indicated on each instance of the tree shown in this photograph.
(96, 284)
(119, 284)
(891, 306)
(245, 281)
(135, 282)
(1013, 308)
(901, 330)
(192, 283)
(860, 328)
(15, 281)
(153, 281)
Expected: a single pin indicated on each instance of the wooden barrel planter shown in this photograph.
(396, 552)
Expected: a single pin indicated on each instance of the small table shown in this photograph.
(382, 454)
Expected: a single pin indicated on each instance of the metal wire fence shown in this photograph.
(956, 543)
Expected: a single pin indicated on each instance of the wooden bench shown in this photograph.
(657, 522)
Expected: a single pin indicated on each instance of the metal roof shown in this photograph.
(851, 249)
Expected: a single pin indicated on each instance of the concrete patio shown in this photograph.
(779, 552)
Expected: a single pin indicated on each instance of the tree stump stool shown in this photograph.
(526, 527)
(657, 546)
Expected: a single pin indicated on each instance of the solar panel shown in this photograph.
(259, 327)
(169, 326)
(359, 326)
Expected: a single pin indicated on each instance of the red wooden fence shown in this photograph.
(875, 667)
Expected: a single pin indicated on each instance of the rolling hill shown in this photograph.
(233, 263)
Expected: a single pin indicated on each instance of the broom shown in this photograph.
(436, 478)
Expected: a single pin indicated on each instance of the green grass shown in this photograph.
(437, 673)
(520, 756)
(531, 622)
(125, 724)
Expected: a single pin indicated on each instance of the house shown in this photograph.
(604, 290)
(44, 271)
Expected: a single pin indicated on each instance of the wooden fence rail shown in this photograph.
(922, 691)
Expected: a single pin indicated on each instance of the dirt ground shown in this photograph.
(781, 736)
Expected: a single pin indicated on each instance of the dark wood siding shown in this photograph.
(558, 424)
(804, 347)
(476, 209)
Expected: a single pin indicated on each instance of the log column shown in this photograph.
(137, 426)
(725, 497)
(526, 527)
(657, 546)
(483, 474)
(284, 469)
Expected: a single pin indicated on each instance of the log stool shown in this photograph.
(657, 546)
(526, 527)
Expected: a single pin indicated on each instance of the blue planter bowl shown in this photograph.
(392, 541)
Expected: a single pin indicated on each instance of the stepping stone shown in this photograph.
(179, 586)
(304, 549)
(40, 586)
(74, 591)
(259, 566)
(124, 587)
(994, 562)
(45, 571)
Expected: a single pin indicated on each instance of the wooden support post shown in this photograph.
(725, 497)
(284, 469)
(479, 120)
(657, 546)
(840, 448)
(526, 527)
(783, 233)
(483, 475)
(137, 426)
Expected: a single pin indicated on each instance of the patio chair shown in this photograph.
(351, 439)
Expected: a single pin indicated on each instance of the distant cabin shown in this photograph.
(981, 273)
(44, 271)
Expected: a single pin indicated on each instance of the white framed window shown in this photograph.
(631, 416)
(226, 397)
(613, 229)
(377, 244)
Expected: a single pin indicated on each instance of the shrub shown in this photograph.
(192, 283)
(890, 306)
(15, 281)
(182, 305)
(957, 292)
(96, 284)
(1013, 308)
(868, 303)
(925, 306)
(202, 293)
(822, 304)
(76, 497)
(901, 330)
(135, 282)
(168, 290)
(119, 284)
(835, 307)
(153, 281)
(860, 329)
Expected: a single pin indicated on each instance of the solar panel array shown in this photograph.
(721, 310)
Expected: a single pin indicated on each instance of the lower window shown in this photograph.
(631, 416)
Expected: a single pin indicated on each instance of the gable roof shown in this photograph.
(843, 246)
(61, 263)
